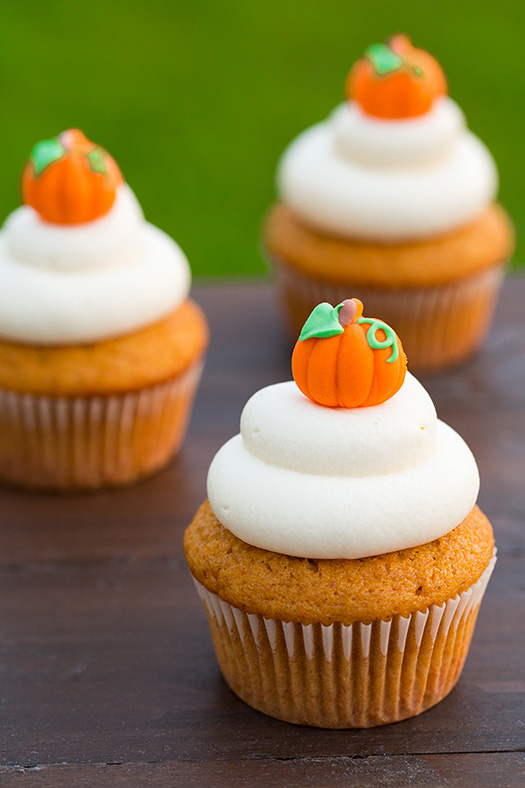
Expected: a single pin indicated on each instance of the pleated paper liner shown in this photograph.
(439, 325)
(76, 443)
(338, 676)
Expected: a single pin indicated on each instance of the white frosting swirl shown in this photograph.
(388, 180)
(382, 143)
(319, 482)
(68, 284)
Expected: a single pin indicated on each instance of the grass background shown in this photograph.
(196, 99)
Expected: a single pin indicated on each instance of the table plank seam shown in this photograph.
(268, 757)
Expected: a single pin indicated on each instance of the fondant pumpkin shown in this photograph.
(345, 360)
(395, 80)
(69, 179)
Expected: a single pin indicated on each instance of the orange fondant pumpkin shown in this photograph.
(69, 179)
(395, 80)
(344, 360)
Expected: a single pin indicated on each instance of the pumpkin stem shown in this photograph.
(74, 139)
(349, 311)
(399, 43)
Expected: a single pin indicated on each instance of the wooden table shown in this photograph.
(107, 672)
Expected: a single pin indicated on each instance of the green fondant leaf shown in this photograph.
(44, 153)
(97, 160)
(322, 323)
(383, 59)
(374, 343)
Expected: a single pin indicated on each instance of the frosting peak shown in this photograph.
(424, 140)
(111, 240)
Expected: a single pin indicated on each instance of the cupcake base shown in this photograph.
(440, 325)
(337, 676)
(81, 443)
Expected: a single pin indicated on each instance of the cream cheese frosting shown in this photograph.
(360, 176)
(68, 284)
(320, 482)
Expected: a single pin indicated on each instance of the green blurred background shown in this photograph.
(196, 100)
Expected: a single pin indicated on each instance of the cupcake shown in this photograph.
(341, 556)
(100, 347)
(393, 198)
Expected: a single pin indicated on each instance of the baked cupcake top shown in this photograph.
(78, 261)
(349, 460)
(395, 162)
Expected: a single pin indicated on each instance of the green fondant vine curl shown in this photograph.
(376, 344)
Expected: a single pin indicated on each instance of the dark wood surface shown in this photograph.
(107, 674)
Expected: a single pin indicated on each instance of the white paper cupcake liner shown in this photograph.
(439, 325)
(341, 676)
(70, 443)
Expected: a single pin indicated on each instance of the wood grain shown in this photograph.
(496, 770)
(107, 671)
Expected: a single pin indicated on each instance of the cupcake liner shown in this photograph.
(439, 325)
(339, 676)
(74, 443)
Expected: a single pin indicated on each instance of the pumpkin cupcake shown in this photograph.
(341, 586)
(393, 198)
(100, 347)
